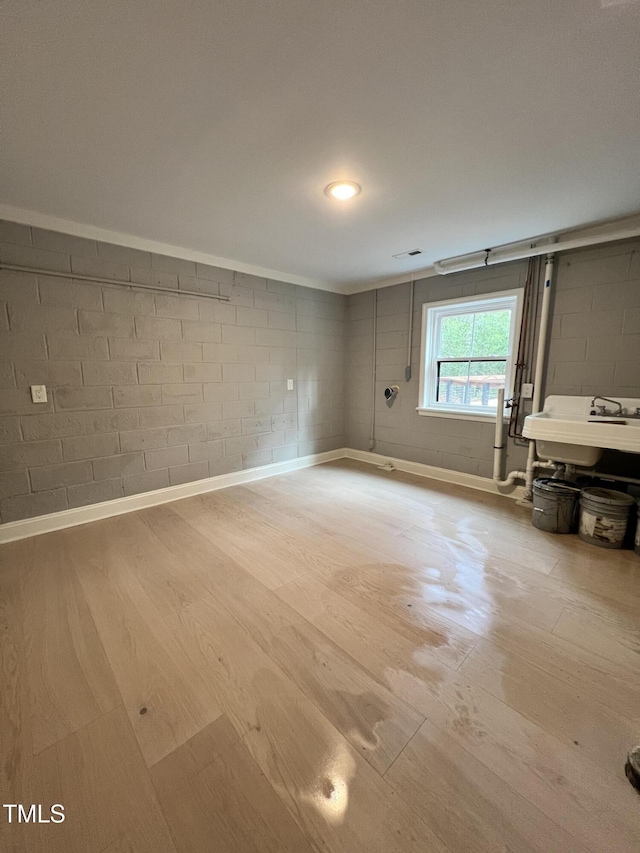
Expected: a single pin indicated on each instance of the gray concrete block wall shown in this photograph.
(459, 445)
(594, 347)
(147, 389)
(150, 389)
(595, 334)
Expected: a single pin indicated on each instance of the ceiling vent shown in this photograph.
(411, 254)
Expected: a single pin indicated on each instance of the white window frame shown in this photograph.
(432, 313)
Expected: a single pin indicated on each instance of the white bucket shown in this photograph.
(604, 516)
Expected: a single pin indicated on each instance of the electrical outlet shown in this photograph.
(38, 393)
(289, 384)
(527, 390)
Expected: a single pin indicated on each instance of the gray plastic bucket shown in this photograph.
(554, 505)
(604, 516)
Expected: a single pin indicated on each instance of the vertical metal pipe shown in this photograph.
(372, 434)
(407, 370)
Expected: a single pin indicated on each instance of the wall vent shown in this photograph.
(410, 254)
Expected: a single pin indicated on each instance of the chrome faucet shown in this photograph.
(602, 410)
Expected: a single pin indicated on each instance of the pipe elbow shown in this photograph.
(510, 479)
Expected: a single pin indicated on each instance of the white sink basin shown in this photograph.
(565, 430)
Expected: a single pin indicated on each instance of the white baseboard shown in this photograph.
(444, 475)
(26, 527)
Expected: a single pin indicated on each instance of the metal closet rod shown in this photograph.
(116, 281)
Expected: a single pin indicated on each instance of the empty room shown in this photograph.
(320, 426)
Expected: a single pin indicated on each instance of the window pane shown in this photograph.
(453, 385)
(460, 335)
(454, 368)
(490, 333)
(467, 383)
(488, 368)
(486, 377)
(456, 334)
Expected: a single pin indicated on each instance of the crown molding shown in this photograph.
(92, 232)
(377, 284)
(131, 241)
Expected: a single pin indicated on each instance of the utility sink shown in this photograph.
(566, 431)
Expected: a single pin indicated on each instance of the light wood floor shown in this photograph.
(333, 660)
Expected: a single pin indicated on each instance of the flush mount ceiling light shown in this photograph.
(342, 190)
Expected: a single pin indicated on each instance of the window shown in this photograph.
(468, 353)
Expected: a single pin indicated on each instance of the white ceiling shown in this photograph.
(214, 126)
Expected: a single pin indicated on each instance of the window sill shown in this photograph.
(484, 417)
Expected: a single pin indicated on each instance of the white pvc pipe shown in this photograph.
(498, 447)
(510, 479)
(498, 451)
(497, 441)
(527, 249)
(541, 354)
